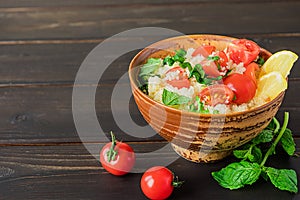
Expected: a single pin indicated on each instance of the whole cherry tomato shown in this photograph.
(216, 94)
(243, 50)
(117, 158)
(158, 183)
(243, 87)
(182, 81)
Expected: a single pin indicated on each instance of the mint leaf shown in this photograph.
(241, 154)
(253, 154)
(263, 137)
(288, 142)
(171, 98)
(237, 175)
(150, 67)
(284, 179)
(256, 155)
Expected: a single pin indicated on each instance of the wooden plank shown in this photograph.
(105, 3)
(95, 22)
(44, 114)
(70, 172)
(44, 63)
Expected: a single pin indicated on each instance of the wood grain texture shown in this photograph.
(70, 172)
(44, 114)
(96, 21)
(46, 63)
(107, 3)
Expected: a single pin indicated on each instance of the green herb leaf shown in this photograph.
(256, 155)
(171, 98)
(260, 61)
(186, 65)
(263, 137)
(200, 76)
(180, 52)
(284, 179)
(168, 61)
(197, 72)
(144, 88)
(150, 67)
(241, 154)
(208, 81)
(288, 142)
(234, 97)
(237, 175)
(252, 153)
(264, 174)
(213, 58)
(228, 72)
(198, 106)
(178, 57)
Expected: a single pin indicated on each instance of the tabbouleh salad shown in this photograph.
(205, 80)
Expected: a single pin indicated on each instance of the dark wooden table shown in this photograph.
(42, 45)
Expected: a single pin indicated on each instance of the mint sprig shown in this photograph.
(246, 172)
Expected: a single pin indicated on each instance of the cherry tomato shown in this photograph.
(216, 94)
(223, 59)
(204, 50)
(158, 183)
(243, 50)
(251, 70)
(117, 158)
(242, 86)
(182, 81)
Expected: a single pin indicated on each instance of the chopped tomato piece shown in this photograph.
(210, 69)
(216, 94)
(243, 50)
(223, 59)
(251, 70)
(204, 50)
(182, 81)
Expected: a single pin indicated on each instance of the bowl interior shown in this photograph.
(168, 46)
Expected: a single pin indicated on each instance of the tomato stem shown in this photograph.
(111, 154)
(176, 183)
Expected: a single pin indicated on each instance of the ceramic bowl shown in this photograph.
(199, 137)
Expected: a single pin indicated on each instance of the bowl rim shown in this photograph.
(134, 87)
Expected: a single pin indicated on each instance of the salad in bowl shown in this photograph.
(208, 94)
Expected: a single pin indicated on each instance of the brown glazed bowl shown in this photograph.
(199, 137)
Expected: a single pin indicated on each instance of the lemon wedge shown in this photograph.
(270, 85)
(281, 61)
